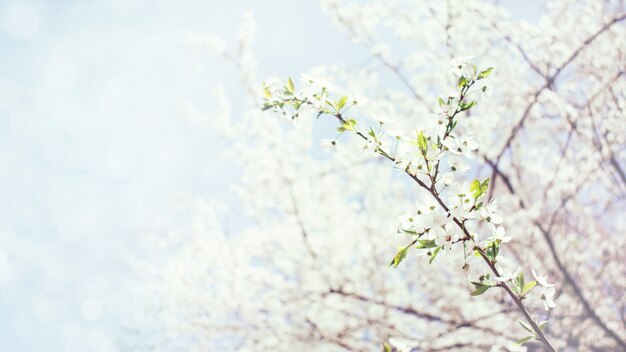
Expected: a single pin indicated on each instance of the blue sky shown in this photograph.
(94, 152)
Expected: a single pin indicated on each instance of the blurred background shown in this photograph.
(97, 151)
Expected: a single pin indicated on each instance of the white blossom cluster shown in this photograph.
(310, 272)
(439, 225)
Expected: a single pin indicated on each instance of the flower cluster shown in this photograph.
(433, 157)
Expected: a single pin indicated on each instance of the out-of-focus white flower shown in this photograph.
(358, 99)
(506, 274)
(485, 91)
(382, 118)
(457, 165)
(402, 345)
(541, 279)
(448, 178)
(329, 144)
(462, 66)
(395, 133)
(547, 296)
(448, 235)
(381, 50)
(488, 213)
(461, 145)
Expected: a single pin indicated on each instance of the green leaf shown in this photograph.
(480, 286)
(542, 324)
(485, 73)
(441, 102)
(371, 132)
(485, 184)
(432, 257)
(267, 93)
(528, 287)
(467, 106)
(426, 243)
(422, 142)
(492, 250)
(399, 256)
(478, 189)
(523, 340)
(462, 82)
(480, 289)
(386, 347)
(348, 125)
(342, 102)
(520, 281)
(475, 188)
(526, 327)
(291, 88)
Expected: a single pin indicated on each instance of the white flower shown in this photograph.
(372, 145)
(506, 274)
(485, 92)
(436, 126)
(357, 99)
(395, 133)
(547, 296)
(406, 221)
(462, 66)
(457, 164)
(434, 219)
(402, 345)
(460, 145)
(499, 234)
(470, 267)
(443, 111)
(312, 85)
(459, 197)
(382, 118)
(541, 279)
(329, 144)
(448, 178)
(488, 213)
(447, 236)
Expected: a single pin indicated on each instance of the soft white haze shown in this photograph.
(95, 153)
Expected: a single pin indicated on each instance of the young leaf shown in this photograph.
(526, 327)
(528, 287)
(432, 257)
(485, 73)
(475, 188)
(426, 244)
(267, 92)
(523, 340)
(480, 289)
(520, 281)
(399, 256)
(542, 324)
(462, 82)
(485, 184)
(342, 102)
(291, 88)
(467, 106)
(422, 142)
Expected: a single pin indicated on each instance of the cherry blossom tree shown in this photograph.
(498, 177)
